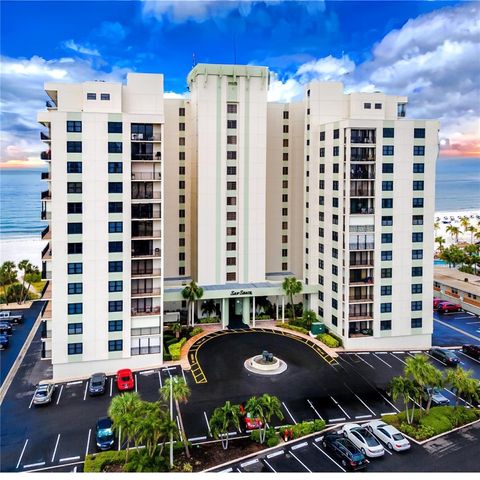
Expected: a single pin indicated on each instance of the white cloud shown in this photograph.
(84, 49)
(284, 92)
(175, 95)
(326, 69)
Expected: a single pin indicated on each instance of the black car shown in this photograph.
(345, 451)
(96, 385)
(5, 328)
(4, 342)
(446, 356)
(472, 351)
(104, 434)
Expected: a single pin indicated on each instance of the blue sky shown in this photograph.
(411, 48)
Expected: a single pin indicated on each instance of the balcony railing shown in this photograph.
(145, 350)
(362, 263)
(147, 156)
(146, 292)
(138, 176)
(362, 136)
(44, 136)
(361, 172)
(149, 233)
(47, 252)
(142, 137)
(46, 215)
(146, 195)
(146, 253)
(361, 246)
(356, 210)
(155, 272)
(360, 298)
(46, 275)
(50, 105)
(46, 155)
(46, 176)
(356, 316)
(361, 190)
(138, 312)
(46, 233)
(46, 195)
(361, 281)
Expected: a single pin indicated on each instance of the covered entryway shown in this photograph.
(235, 313)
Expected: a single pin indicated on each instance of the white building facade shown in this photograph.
(147, 193)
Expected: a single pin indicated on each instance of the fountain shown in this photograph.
(265, 364)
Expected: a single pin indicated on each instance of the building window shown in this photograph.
(91, 96)
(334, 286)
(387, 186)
(285, 225)
(418, 150)
(181, 127)
(181, 228)
(367, 106)
(284, 238)
(115, 127)
(115, 325)
(104, 96)
(74, 126)
(334, 303)
(115, 345)
(115, 286)
(115, 305)
(417, 288)
(336, 151)
(386, 255)
(285, 142)
(336, 133)
(181, 155)
(181, 242)
(416, 305)
(285, 156)
(231, 139)
(75, 328)
(231, 108)
(231, 170)
(231, 261)
(385, 308)
(181, 185)
(231, 155)
(285, 197)
(385, 290)
(231, 246)
(115, 227)
(115, 207)
(285, 171)
(387, 221)
(285, 114)
(231, 185)
(181, 270)
(75, 288)
(181, 256)
(231, 231)
(418, 185)
(115, 266)
(74, 228)
(231, 201)
(75, 348)
(115, 187)
(386, 273)
(115, 247)
(335, 184)
(181, 112)
(74, 147)
(417, 254)
(74, 187)
(335, 236)
(417, 237)
(181, 141)
(418, 133)
(387, 167)
(322, 152)
(74, 207)
(284, 183)
(285, 128)
(418, 168)
(417, 203)
(115, 167)
(416, 323)
(388, 150)
(378, 106)
(74, 268)
(334, 270)
(385, 325)
(335, 168)
(181, 199)
(231, 276)
(335, 202)
(231, 215)
(417, 271)
(74, 248)
(74, 167)
(75, 308)
(388, 133)
(284, 252)
(115, 147)
(387, 202)
(284, 212)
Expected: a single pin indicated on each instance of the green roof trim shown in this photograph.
(228, 70)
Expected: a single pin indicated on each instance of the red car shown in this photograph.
(125, 380)
(251, 423)
(448, 307)
(436, 302)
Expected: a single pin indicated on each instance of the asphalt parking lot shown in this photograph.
(454, 329)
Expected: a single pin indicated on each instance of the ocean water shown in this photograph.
(457, 188)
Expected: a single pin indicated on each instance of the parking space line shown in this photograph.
(31, 465)
(56, 446)
(275, 454)
(136, 384)
(399, 359)
(359, 417)
(460, 398)
(387, 450)
(388, 413)
(398, 352)
(85, 393)
(111, 386)
(21, 454)
(472, 323)
(250, 462)
(383, 361)
(194, 439)
(269, 466)
(299, 461)
(60, 394)
(70, 459)
(77, 382)
(314, 409)
(160, 378)
(389, 402)
(88, 442)
(340, 407)
(364, 361)
(288, 411)
(416, 351)
(468, 356)
(340, 419)
(208, 425)
(329, 457)
(31, 401)
(366, 406)
(439, 361)
(300, 445)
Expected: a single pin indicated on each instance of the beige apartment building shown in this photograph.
(147, 193)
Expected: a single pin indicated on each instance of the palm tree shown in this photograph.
(264, 408)
(436, 226)
(191, 293)
(32, 276)
(209, 307)
(180, 392)
(124, 412)
(405, 388)
(472, 231)
(222, 420)
(440, 241)
(463, 384)
(8, 275)
(176, 329)
(291, 286)
(454, 232)
(465, 223)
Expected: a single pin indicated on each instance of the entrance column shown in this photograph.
(246, 310)
(283, 308)
(276, 309)
(253, 299)
(224, 312)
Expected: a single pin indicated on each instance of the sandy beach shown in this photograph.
(444, 219)
(17, 249)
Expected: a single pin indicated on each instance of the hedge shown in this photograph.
(209, 320)
(175, 349)
(328, 340)
(292, 327)
(196, 331)
(97, 462)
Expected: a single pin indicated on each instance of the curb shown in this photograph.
(423, 442)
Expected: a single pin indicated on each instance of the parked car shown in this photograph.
(363, 439)
(6, 328)
(96, 385)
(446, 356)
(472, 350)
(437, 397)
(389, 435)
(125, 380)
(448, 307)
(436, 302)
(11, 317)
(251, 422)
(104, 434)
(345, 451)
(44, 394)
(4, 341)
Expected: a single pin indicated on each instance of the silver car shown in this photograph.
(43, 394)
(437, 397)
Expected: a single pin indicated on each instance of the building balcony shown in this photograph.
(46, 176)
(146, 292)
(146, 253)
(360, 316)
(361, 246)
(46, 155)
(362, 207)
(361, 299)
(142, 176)
(146, 157)
(46, 234)
(46, 215)
(362, 189)
(145, 311)
(47, 313)
(50, 104)
(148, 273)
(147, 234)
(44, 137)
(143, 137)
(361, 281)
(362, 172)
(362, 136)
(47, 292)
(139, 195)
(47, 252)
(46, 274)
(361, 263)
(46, 195)
(362, 154)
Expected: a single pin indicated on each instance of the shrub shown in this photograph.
(308, 317)
(263, 316)
(176, 348)
(337, 338)
(139, 461)
(209, 320)
(292, 327)
(195, 331)
(170, 341)
(273, 441)
(328, 340)
(166, 356)
(99, 461)
(271, 437)
(304, 428)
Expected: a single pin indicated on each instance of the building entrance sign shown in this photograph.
(236, 293)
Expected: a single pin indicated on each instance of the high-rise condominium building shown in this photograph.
(147, 193)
